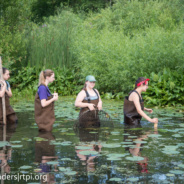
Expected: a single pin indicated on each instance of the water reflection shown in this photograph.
(44, 153)
(89, 141)
(136, 135)
(6, 132)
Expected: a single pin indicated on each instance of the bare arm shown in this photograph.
(45, 102)
(9, 92)
(100, 101)
(135, 99)
(3, 88)
(80, 98)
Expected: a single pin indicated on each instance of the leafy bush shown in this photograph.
(166, 88)
(133, 39)
(67, 81)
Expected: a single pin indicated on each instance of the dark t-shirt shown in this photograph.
(43, 92)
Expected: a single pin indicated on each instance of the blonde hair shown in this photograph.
(43, 75)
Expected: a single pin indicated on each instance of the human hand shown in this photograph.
(91, 107)
(99, 106)
(55, 96)
(149, 110)
(2, 82)
(154, 120)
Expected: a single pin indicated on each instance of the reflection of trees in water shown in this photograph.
(45, 152)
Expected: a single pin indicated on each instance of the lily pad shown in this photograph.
(177, 135)
(113, 145)
(115, 179)
(37, 170)
(170, 175)
(132, 136)
(126, 142)
(115, 133)
(114, 158)
(140, 142)
(133, 179)
(88, 152)
(66, 159)
(181, 165)
(17, 146)
(84, 147)
(116, 155)
(176, 172)
(171, 152)
(70, 173)
(154, 135)
(25, 167)
(4, 143)
(53, 163)
(64, 169)
(135, 158)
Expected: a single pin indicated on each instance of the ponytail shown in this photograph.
(41, 78)
(43, 75)
(84, 88)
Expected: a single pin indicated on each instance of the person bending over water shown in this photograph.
(44, 102)
(134, 104)
(6, 90)
(89, 100)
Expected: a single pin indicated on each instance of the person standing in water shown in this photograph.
(89, 101)
(44, 102)
(134, 104)
(5, 89)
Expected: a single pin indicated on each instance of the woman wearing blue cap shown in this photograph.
(89, 100)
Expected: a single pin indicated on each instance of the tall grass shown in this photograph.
(50, 44)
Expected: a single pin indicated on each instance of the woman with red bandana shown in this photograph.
(134, 104)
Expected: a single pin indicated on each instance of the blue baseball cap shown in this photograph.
(90, 78)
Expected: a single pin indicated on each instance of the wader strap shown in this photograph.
(87, 95)
(140, 97)
(46, 88)
(95, 92)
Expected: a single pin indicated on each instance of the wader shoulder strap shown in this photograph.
(140, 97)
(96, 92)
(46, 88)
(87, 95)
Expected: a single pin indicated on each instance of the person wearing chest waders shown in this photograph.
(44, 102)
(134, 104)
(6, 90)
(90, 102)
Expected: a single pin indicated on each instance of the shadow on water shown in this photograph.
(112, 153)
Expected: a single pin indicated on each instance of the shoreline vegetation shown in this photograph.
(116, 41)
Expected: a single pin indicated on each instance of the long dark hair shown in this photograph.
(140, 79)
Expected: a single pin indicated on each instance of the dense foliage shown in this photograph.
(117, 44)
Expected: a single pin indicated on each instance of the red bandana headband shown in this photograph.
(145, 81)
